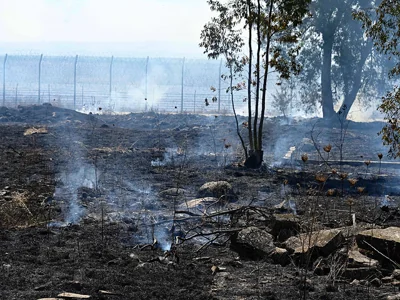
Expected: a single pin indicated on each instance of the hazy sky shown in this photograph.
(163, 24)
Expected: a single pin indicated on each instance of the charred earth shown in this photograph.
(161, 206)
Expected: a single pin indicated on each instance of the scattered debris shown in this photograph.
(73, 296)
(33, 130)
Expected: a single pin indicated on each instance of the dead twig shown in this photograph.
(185, 212)
(377, 251)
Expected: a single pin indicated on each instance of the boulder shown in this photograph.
(253, 243)
(357, 259)
(219, 189)
(384, 242)
(283, 226)
(317, 243)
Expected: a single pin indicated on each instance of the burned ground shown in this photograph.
(83, 197)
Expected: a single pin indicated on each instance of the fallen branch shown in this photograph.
(184, 212)
(202, 234)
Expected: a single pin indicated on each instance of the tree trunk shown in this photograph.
(249, 82)
(326, 80)
(257, 100)
(255, 159)
(351, 96)
(264, 91)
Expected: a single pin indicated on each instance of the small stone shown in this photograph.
(355, 282)
(396, 274)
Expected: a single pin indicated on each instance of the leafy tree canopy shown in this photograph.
(385, 32)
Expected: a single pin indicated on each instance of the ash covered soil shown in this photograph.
(103, 206)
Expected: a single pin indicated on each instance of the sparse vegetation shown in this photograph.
(274, 24)
(206, 214)
(106, 205)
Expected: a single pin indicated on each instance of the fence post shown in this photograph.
(183, 73)
(219, 86)
(76, 62)
(4, 80)
(40, 73)
(145, 88)
(111, 68)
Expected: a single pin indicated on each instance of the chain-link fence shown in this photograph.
(118, 84)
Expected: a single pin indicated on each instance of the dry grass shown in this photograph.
(15, 212)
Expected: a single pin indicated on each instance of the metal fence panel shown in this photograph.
(118, 83)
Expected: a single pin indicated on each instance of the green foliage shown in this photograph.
(385, 32)
(391, 131)
(274, 23)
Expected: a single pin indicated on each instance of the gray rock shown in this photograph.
(253, 243)
(219, 189)
(383, 241)
(284, 226)
(396, 274)
(357, 259)
(319, 243)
